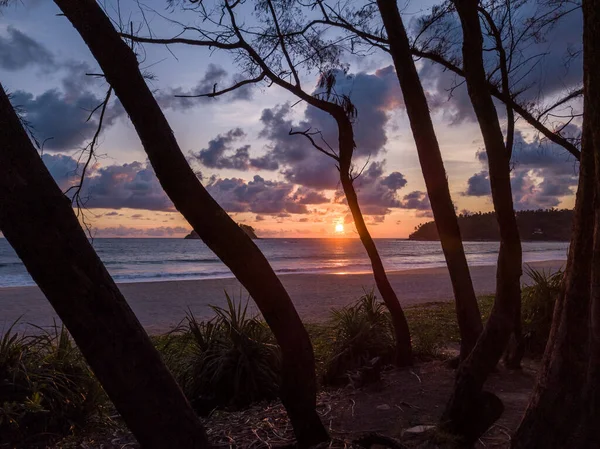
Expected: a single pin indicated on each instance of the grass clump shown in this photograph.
(433, 326)
(229, 361)
(361, 332)
(538, 301)
(46, 388)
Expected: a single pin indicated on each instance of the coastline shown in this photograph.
(161, 305)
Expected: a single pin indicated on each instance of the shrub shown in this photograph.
(362, 332)
(538, 301)
(45, 386)
(230, 360)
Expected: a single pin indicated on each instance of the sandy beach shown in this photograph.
(162, 305)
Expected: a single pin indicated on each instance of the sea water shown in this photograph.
(149, 260)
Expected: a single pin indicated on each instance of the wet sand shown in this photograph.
(160, 306)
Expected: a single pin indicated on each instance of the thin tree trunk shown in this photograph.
(403, 355)
(515, 349)
(465, 404)
(39, 223)
(220, 233)
(432, 166)
(563, 409)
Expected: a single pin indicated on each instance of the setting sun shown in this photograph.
(339, 228)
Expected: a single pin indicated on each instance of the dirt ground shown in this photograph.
(396, 406)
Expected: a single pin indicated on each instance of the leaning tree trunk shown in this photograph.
(466, 402)
(590, 430)
(555, 407)
(403, 356)
(39, 223)
(432, 166)
(563, 409)
(220, 233)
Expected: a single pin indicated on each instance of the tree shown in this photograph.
(271, 56)
(564, 408)
(467, 402)
(432, 166)
(434, 40)
(39, 223)
(220, 233)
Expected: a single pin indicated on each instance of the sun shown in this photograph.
(339, 228)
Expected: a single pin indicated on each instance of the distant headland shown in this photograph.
(246, 228)
(549, 225)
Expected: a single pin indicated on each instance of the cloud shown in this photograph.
(59, 119)
(547, 65)
(125, 231)
(221, 154)
(216, 77)
(62, 168)
(418, 201)
(378, 193)
(18, 51)
(542, 174)
(374, 96)
(305, 195)
(133, 186)
(259, 196)
(478, 184)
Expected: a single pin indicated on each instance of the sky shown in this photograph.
(239, 143)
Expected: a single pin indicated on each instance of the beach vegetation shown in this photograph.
(229, 361)
(538, 308)
(46, 387)
(214, 225)
(362, 332)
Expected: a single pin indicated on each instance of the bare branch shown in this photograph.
(527, 116)
(181, 40)
(510, 114)
(216, 93)
(576, 93)
(282, 44)
(76, 200)
(309, 135)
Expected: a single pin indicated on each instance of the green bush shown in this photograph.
(362, 332)
(538, 301)
(230, 360)
(45, 386)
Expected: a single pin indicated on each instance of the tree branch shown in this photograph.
(576, 93)
(216, 93)
(181, 40)
(524, 113)
(510, 113)
(309, 135)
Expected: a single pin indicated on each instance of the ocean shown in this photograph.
(150, 260)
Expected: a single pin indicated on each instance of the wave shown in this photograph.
(161, 261)
(10, 264)
(146, 277)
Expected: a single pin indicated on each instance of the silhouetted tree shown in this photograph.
(467, 402)
(434, 40)
(564, 409)
(39, 223)
(542, 224)
(220, 233)
(432, 166)
(269, 57)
